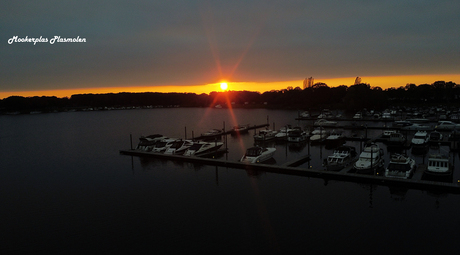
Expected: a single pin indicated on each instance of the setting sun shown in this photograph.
(223, 86)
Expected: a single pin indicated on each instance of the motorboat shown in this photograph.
(146, 143)
(212, 133)
(325, 113)
(257, 154)
(163, 145)
(420, 139)
(407, 125)
(386, 116)
(370, 159)
(435, 137)
(416, 126)
(447, 125)
(179, 147)
(240, 129)
(335, 138)
(387, 133)
(319, 135)
(438, 165)
(200, 147)
(454, 139)
(265, 135)
(325, 123)
(358, 115)
(297, 135)
(400, 166)
(282, 134)
(340, 158)
(397, 138)
(305, 114)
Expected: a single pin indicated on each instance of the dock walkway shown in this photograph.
(415, 183)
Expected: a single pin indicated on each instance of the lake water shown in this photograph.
(66, 189)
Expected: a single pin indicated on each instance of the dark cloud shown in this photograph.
(199, 42)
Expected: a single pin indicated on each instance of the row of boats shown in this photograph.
(371, 160)
(175, 146)
(298, 135)
(421, 138)
(161, 144)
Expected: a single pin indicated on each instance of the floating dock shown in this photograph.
(415, 183)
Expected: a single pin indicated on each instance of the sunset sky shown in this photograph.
(191, 46)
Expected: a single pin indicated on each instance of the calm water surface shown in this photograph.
(65, 188)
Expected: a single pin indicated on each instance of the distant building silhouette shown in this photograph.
(308, 82)
(357, 81)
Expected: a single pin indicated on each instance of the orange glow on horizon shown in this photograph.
(375, 81)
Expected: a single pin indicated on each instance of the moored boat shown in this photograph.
(179, 147)
(212, 133)
(370, 159)
(400, 166)
(319, 135)
(163, 145)
(282, 134)
(258, 154)
(420, 139)
(201, 147)
(341, 158)
(435, 137)
(265, 135)
(438, 165)
(146, 143)
(397, 139)
(297, 135)
(240, 129)
(334, 139)
(325, 123)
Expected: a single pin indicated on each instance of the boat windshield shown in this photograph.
(252, 152)
(435, 163)
(196, 146)
(160, 144)
(177, 145)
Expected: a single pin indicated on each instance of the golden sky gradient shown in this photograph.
(380, 81)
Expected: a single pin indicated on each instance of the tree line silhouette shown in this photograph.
(320, 95)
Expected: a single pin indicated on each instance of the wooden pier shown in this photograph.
(415, 183)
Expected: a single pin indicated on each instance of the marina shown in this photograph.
(395, 138)
(88, 194)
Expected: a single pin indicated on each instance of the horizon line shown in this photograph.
(384, 82)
